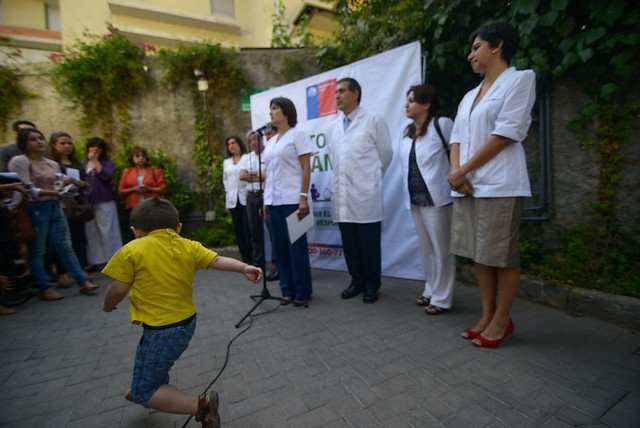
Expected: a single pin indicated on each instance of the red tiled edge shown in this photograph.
(30, 32)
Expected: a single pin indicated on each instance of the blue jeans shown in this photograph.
(292, 259)
(157, 351)
(51, 227)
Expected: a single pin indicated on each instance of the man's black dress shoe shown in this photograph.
(370, 296)
(351, 291)
(273, 276)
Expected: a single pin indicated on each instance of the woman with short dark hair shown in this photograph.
(287, 157)
(489, 177)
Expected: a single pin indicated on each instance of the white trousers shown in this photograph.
(103, 233)
(433, 226)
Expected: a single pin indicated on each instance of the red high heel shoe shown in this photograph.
(469, 334)
(486, 343)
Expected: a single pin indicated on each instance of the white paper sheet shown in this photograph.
(296, 227)
(73, 173)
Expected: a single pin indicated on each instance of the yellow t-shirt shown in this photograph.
(160, 268)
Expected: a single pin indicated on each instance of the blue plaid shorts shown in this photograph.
(157, 351)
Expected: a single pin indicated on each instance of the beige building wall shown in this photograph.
(40, 27)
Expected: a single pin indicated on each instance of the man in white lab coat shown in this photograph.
(360, 149)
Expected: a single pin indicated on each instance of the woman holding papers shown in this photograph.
(287, 157)
(45, 213)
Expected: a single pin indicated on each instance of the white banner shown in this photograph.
(385, 79)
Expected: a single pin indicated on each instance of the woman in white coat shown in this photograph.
(423, 154)
(489, 177)
(236, 195)
(288, 160)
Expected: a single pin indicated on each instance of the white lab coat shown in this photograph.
(234, 188)
(284, 172)
(432, 161)
(504, 110)
(360, 157)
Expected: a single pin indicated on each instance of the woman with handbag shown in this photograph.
(423, 151)
(103, 232)
(140, 181)
(77, 210)
(45, 212)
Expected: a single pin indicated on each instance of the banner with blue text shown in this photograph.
(385, 79)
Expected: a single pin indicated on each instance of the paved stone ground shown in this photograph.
(336, 364)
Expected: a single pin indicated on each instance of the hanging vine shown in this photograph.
(224, 83)
(11, 93)
(101, 75)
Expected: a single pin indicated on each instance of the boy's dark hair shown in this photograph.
(18, 123)
(353, 86)
(155, 214)
(497, 32)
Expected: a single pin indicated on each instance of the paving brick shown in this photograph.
(339, 363)
(625, 414)
(505, 414)
(540, 407)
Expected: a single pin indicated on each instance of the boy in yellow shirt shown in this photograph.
(156, 270)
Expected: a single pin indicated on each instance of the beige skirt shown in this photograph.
(486, 230)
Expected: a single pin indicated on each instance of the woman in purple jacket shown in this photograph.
(103, 232)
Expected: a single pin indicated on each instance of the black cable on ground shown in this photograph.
(226, 360)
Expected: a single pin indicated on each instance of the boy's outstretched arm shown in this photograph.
(116, 291)
(253, 274)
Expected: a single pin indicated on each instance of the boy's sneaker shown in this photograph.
(207, 412)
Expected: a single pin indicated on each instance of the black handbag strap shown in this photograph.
(436, 124)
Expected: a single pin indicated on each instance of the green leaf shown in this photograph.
(590, 111)
(585, 54)
(621, 59)
(548, 19)
(609, 12)
(559, 5)
(607, 91)
(527, 7)
(565, 28)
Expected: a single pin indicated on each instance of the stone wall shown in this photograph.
(161, 118)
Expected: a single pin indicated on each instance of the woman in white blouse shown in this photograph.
(288, 159)
(423, 154)
(236, 195)
(489, 177)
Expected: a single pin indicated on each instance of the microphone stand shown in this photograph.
(264, 294)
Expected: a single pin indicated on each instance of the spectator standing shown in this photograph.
(45, 213)
(103, 232)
